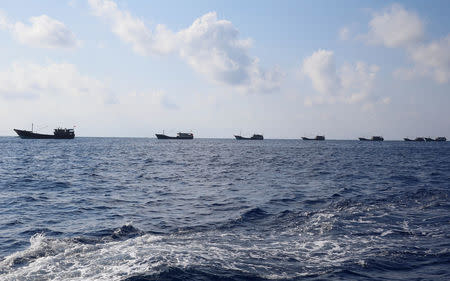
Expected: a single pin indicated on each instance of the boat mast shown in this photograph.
(31, 127)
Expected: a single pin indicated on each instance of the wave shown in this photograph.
(46, 231)
(124, 232)
(293, 244)
(252, 215)
(129, 253)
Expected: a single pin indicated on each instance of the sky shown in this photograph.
(286, 69)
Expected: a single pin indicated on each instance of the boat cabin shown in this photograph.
(185, 135)
(64, 132)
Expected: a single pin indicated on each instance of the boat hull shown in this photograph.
(317, 138)
(24, 134)
(251, 138)
(375, 138)
(165, 137)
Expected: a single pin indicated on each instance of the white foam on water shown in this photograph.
(387, 232)
(64, 259)
(302, 250)
(362, 263)
(267, 256)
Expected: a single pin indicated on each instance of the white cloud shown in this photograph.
(399, 28)
(4, 23)
(395, 27)
(357, 80)
(28, 80)
(210, 46)
(129, 29)
(431, 59)
(351, 83)
(43, 32)
(320, 67)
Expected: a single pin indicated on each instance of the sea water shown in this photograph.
(211, 209)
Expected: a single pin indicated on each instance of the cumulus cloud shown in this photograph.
(395, 27)
(320, 67)
(132, 30)
(432, 59)
(43, 32)
(210, 46)
(357, 80)
(351, 83)
(63, 82)
(28, 80)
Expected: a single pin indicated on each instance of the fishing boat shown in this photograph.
(254, 137)
(427, 139)
(180, 136)
(317, 138)
(59, 133)
(374, 138)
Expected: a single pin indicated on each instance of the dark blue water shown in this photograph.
(143, 209)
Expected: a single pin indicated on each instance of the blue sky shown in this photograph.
(216, 68)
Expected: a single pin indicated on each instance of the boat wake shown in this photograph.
(343, 240)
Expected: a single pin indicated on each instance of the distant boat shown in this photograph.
(374, 138)
(58, 133)
(180, 136)
(254, 137)
(427, 139)
(317, 138)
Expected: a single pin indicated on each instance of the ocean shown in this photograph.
(220, 209)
